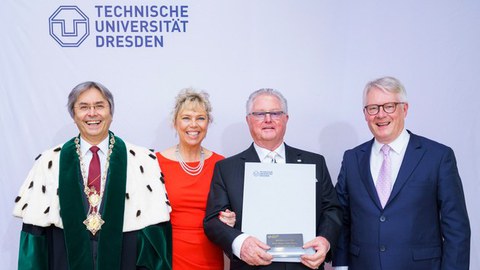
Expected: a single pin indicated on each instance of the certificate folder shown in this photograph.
(279, 207)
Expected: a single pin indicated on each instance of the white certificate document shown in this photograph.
(279, 204)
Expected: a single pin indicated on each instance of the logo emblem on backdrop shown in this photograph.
(69, 26)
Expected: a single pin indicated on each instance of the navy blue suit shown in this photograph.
(226, 192)
(424, 224)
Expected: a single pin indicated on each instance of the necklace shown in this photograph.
(193, 171)
(94, 220)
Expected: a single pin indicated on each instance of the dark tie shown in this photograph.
(384, 182)
(94, 170)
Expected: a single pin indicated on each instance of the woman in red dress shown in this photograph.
(187, 170)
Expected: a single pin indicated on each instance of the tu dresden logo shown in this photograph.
(69, 26)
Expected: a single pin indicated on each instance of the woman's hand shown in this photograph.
(228, 217)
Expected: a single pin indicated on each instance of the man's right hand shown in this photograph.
(253, 252)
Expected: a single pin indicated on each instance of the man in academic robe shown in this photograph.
(95, 202)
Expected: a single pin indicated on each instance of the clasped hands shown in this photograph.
(254, 252)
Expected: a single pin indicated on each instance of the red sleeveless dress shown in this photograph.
(188, 198)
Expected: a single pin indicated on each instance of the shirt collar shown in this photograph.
(85, 146)
(398, 145)
(263, 153)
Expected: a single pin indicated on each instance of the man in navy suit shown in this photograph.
(402, 196)
(267, 116)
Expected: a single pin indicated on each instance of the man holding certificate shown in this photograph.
(267, 117)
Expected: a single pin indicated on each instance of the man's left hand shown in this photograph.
(322, 246)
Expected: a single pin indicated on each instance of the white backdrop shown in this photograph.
(319, 54)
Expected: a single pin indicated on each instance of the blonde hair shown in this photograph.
(190, 98)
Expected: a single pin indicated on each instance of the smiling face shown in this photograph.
(385, 127)
(191, 125)
(267, 132)
(92, 116)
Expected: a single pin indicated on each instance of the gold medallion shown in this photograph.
(94, 222)
(94, 199)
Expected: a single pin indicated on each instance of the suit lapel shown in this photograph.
(413, 155)
(250, 155)
(292, 156)
(363, 158)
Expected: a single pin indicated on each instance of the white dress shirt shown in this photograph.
(265, 157)
(397, 152)
(87, 154)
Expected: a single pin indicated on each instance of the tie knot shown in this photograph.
(272, 155)
(386, 149)
(94, 149)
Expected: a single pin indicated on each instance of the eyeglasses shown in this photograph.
(389, 107)
(260, 116)
(86, 107)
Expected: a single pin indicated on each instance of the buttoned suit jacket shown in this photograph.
(424, 224)
(226, 192)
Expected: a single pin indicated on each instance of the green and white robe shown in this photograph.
(135, 208)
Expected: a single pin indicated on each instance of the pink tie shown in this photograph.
(384, 182)
(94, 170)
